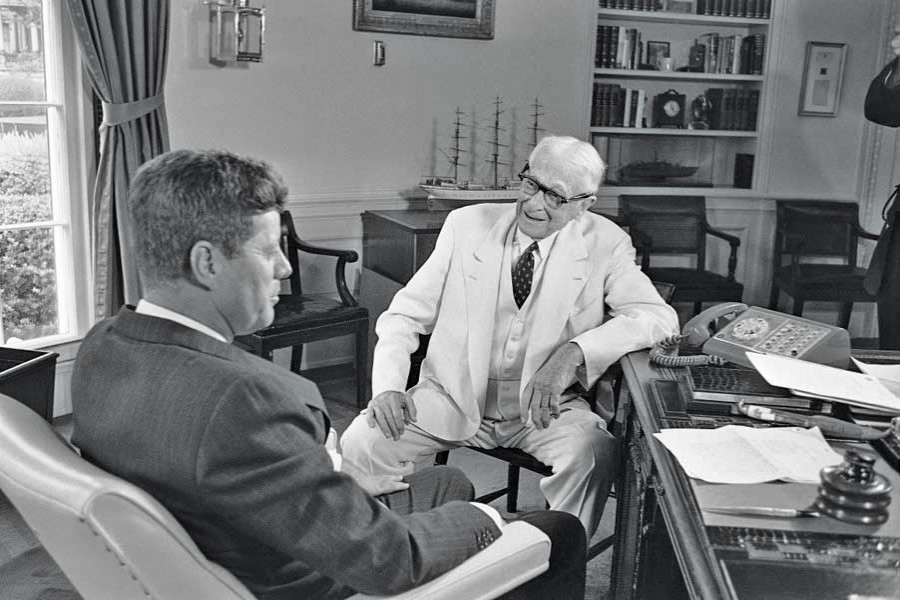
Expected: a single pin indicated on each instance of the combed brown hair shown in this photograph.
(185, 196)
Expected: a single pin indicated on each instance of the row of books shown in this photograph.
(618, 47)
(621, 47)
(750, 9)
(615, 106)
(729, 54)
(733, 109)
(753, 9)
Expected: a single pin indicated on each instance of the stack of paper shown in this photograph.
(805, 378)
(888, 375)
(736, 454)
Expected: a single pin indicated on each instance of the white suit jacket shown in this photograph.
(453, 296)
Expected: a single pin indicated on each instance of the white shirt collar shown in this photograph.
(523, 240)
(154, 310)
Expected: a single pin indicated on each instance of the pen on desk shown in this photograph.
(763, 511)
(828, 425)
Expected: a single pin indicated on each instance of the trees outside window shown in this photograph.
(38, 303)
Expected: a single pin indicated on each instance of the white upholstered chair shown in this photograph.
(112, 540)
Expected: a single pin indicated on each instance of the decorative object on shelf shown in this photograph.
(700, 109)
(668, 110)
(653, 172)
(236, 32)
(461, 18)
(822, 76)
(657, 51)
(696, 58)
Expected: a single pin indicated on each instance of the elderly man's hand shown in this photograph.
(542, 393)
(391, 411)
(376, 485)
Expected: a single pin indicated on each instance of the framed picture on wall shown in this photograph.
(823, 72)
(444, 18)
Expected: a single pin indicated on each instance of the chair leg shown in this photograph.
(296, 358)
(362, 364)
(773, 297)
(698, 306)
(512, 490)
(844, 315)
(798, 307)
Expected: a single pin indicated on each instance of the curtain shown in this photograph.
(124, 46)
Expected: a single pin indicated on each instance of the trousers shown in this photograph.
(565, 578)
(576, 446)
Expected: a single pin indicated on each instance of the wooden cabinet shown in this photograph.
(397, 242)
(696, 121)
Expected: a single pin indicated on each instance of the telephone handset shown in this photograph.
(728, 331)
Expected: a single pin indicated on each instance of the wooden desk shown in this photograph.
(663, 540)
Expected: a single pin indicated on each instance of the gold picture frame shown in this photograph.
(443, 18)
(823, 73)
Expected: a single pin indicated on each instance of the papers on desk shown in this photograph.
(737, 454)
(805, 378)
(888, 375)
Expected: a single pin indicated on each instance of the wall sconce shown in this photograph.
(236, 31)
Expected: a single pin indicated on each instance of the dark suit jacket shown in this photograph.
(232, 445)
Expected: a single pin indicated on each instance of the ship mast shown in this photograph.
(495, 143)
(455, 148)
(534, 123)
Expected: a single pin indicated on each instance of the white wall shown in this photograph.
(336, 125)
(819, 157)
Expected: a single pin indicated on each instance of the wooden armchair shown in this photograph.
(300, 319)
(677, 225)
(808, 229)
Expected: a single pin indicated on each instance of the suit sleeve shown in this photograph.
(261, 467)
(639, 316)
(413, 311)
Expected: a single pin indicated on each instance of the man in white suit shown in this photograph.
(515, 299)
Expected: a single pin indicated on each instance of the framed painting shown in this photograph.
(444, 18)
(820, 93)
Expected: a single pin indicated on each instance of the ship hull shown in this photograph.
(443, 193)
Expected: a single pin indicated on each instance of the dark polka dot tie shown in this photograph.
(522, 274)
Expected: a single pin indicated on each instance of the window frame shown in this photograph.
(69, 133)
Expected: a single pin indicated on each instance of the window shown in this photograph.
(42, 145)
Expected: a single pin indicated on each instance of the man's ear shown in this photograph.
(205, 263)
(588, 203)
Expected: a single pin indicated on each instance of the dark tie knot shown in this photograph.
(522, 275)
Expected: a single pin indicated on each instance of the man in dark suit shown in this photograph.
(238, 448)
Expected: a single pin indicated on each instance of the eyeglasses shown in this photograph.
(532, 186)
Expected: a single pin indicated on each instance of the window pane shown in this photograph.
(28, 299)
(22, 52)
(24, 166)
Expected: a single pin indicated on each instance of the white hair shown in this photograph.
(576, 160)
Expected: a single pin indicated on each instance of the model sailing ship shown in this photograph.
(497, 188)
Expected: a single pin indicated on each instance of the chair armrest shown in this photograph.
(733, 241)
(520, 554)
(343, 256)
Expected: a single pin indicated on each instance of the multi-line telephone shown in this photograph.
(727, 332)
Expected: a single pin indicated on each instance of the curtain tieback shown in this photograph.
(118, 113)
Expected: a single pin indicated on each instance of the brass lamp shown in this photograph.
(236, 31)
